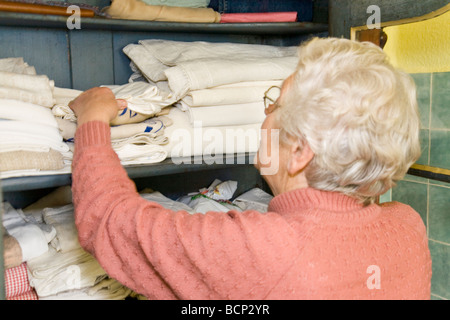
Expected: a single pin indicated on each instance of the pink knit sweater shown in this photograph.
(310, 245)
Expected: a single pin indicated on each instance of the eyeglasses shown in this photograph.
(270, 99)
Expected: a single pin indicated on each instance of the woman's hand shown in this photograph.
(96, 104)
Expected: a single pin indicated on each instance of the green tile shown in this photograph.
(413, 194)
(423, 81)
(439, 214)
(440, 148)
(440, 106)
(440, 280)
(424, 146)
(386, 197)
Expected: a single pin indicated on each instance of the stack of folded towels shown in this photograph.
(47, 248)
(44, 260)
(217, 87)
(37, 127)
(30, 141)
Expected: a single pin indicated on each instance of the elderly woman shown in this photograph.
(348, 128)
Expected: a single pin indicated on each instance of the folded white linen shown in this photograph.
(131, 153)
(142, 97)
(36, 89)
(201, 74)
(55, 272)
(34, 172)
(186, 140)
(143, 101)
(20, 110)
(107, 289)
(235, 93)
(23, 135)
(153, 56)
(143, 61)
(171, 52)
(226, 115)
(32, 237)
(16, 65)
(22, 160)
(64, 95)
(63, 221)
(153, 127)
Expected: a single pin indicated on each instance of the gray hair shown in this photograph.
(358, 114)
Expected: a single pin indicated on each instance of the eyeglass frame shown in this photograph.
(270, 107)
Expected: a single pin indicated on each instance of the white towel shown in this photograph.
(201, 74)
(36, 89)
(29, 136)
(26, 111)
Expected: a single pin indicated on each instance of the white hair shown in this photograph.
(358, 114)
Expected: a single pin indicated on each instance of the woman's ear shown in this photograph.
(299, 158)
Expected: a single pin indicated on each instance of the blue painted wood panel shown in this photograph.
(45, 49)
(91, 57)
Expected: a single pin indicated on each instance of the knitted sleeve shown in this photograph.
(164, 254)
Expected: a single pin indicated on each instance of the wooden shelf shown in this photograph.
(100, 23)
(166, 167)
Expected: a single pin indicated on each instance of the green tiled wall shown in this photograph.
(429, 197)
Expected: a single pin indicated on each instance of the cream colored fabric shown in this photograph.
(201, 74)
(37, 89)
(138, 10)
(22, 160)
(236, 93)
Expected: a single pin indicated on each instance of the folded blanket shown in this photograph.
(201, 74)
(138, 10)
(26, 111)
(208, 142)
(235, 93)
(37, 89)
